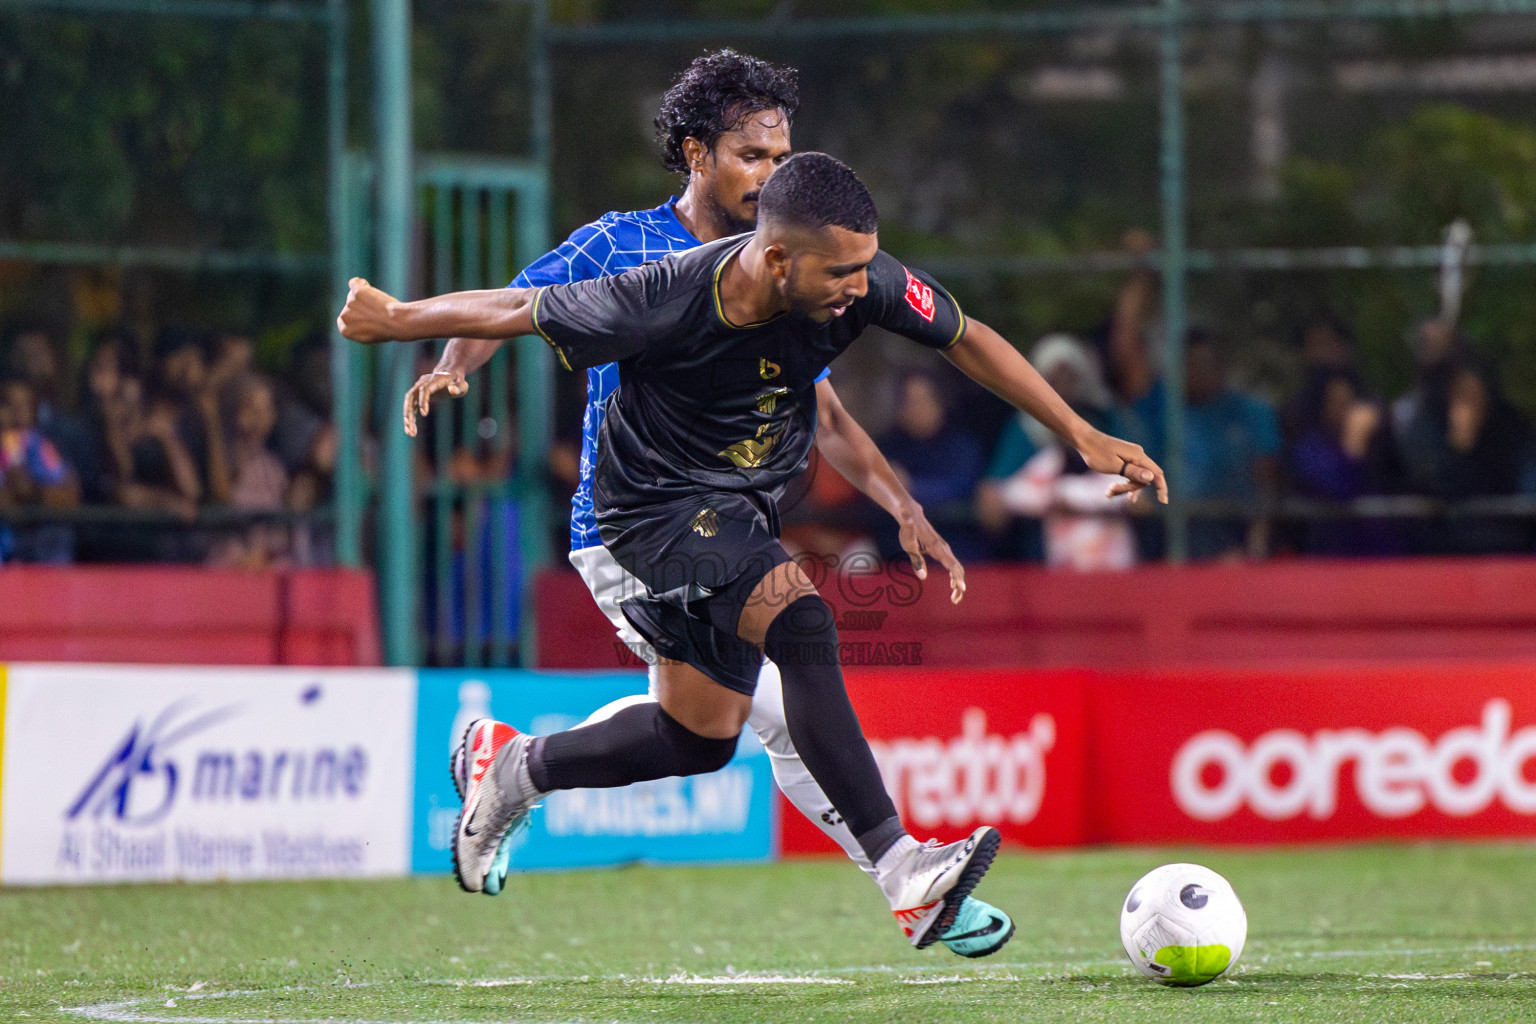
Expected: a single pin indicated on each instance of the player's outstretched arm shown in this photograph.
(372, 316)
(986, 357)
(853, 453)
(461, 357)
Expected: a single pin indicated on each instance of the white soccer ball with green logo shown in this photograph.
(1183, 925)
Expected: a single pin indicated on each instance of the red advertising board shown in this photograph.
(1207, 755)
(1239, 756)
(959, 749)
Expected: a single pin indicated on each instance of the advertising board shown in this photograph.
(1246, 756)
(143, 773)
(723, 816)
(961, 748)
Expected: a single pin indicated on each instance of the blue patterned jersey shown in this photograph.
(614, 243)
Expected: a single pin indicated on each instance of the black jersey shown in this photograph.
(704, 404)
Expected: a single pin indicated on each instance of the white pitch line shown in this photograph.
(135, 1011)
(122, 1012)
(1389, 951)
(744, 979)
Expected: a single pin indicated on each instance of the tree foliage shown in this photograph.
(169, 131)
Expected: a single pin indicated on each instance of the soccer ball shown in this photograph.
(1183, 925)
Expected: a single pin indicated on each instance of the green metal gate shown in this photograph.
(474, 486)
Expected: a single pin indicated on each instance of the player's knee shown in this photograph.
(808, 619)
(804, 633)
(712, 755)
(700, 754)
(706, 754)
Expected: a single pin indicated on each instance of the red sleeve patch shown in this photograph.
(919, 297)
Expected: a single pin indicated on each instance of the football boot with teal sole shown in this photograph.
(980, 929)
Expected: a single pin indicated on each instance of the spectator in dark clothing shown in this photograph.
(305, 436)
(1419, 415)
(304, 403)
(939, 463)
(110, 373)
(1326, 347)
(187, 386)
(161, 472)
(1129, 342)
(1343, 452)
(1482, 446)
(32, 475)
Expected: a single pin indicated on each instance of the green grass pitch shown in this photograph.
(1415, 933)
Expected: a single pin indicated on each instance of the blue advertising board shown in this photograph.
(723, 816)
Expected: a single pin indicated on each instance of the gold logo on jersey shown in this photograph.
(706, 523)
(768, 370)
(749, 454)
(769, 400)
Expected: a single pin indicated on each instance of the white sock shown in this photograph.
(514, 774)
(892, 857)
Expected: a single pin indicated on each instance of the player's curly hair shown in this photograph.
(814, 190)
(715, 94)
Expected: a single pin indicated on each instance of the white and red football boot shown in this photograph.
(492, 807)
(926, 883)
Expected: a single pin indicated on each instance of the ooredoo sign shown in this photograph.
(1397, 772)
(1334, 753)
(960, 749)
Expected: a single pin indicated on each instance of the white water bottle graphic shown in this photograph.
(474, 702)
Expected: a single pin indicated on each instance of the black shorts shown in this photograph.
(700, 558)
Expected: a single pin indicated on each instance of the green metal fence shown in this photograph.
(486, 220)
(472, 542)
(1171, 20)
(477, 221)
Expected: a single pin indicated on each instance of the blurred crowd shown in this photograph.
(179, 429)
(1020, 494)
(216, 461)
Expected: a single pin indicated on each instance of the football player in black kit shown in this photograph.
(718, 351)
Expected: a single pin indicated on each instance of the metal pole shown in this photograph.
(349, 506)
(1175, 270)
(396, 193)
(535, 370)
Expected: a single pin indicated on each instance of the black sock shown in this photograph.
(802, 641)
(640, 743)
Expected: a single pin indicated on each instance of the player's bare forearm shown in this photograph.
(850, 450)
(372, 316)
(489, 313)
(986, 357)
(463, 356)
(853, 453)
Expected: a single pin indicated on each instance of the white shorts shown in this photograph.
(611, 583)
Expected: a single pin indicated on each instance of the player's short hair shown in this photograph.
(814, 190)
(717, 92)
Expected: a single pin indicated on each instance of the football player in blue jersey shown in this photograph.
(725, 126)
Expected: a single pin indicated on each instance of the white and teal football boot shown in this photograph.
(927, 883)
(980, 929)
